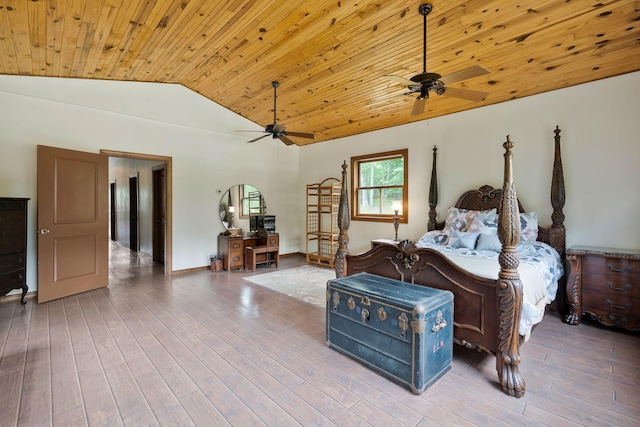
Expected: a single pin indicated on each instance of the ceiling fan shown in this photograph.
(276, 130)
(425, 82)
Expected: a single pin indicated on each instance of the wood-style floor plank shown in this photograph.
(205, 348)
(100, 407)
(132, 405)
(35, 402)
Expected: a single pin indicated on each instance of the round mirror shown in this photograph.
(238, 204)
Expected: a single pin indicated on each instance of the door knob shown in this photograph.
(45, 231)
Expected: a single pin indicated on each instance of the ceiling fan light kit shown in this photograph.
(426, 82)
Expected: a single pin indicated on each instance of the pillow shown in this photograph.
(528, 227)
(484, 224)
(459, 219)
(489, 242)
(463, 239)
(434, 237)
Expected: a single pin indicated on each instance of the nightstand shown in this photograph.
(376, 242)
(604, 283)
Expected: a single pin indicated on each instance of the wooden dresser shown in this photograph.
(232, 247)
(604, 283)
(13, 245)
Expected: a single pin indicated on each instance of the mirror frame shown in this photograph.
(235, 197)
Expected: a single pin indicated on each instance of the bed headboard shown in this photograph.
(487, 197)
(482, 199)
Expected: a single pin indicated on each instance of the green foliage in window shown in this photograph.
(381, 183)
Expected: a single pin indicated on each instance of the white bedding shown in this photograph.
(540, 269)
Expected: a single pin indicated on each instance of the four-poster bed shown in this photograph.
(487, 311)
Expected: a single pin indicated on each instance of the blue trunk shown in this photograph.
(400, 330)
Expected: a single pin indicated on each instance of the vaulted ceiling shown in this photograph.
(330, 57)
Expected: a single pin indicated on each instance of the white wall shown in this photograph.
(600, 148)
(600, 125)
(203, 160)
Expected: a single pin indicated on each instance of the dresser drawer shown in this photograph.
(621, 312)
(12, 280)
(611, 285)
(273, 240)
(611, 267)
(12, 231)
(604, 302)
(236, 248)
(12, 262)
(7, 204)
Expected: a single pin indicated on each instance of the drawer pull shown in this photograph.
(627, 306)
(619, 270)
(364, 315)
(626, 287)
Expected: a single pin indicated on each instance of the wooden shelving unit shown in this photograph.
(322, 221)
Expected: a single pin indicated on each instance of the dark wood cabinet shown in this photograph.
(13, 245)
(604, 283)
(232, 248)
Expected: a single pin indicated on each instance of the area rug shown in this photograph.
(306, 283)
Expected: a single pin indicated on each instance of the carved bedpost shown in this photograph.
(433, 193)
(557, 195)
(509, 285)
(339, 264)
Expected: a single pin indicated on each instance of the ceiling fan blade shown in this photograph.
(258, 138)
(301, 134)
(471, 95)
(286, 140)
(401, 80)
(418, 106)
(465, 74)
(386, 98)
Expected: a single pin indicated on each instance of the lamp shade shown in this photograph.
(396, 206)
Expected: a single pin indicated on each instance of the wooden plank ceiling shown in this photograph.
(329, 56)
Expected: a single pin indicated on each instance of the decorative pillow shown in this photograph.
(528, 227)
(484, 224)
(459, 219)
(489, 242)
(463, 239)
(434, 237)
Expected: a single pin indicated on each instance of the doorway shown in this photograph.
(149, 192)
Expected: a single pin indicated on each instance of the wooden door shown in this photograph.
(133, 213)
(113, 218)
(159, 213)
(73, 189)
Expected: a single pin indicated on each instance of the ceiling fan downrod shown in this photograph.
(275, 87)
(424, 10)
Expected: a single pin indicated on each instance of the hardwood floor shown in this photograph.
(212, 349)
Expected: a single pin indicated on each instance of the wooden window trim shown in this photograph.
(355, 173)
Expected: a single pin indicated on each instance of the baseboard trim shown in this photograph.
(16, 297)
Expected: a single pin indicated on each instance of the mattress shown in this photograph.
(540, 269)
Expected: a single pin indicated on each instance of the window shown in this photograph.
(379, 185)
(251, 201)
